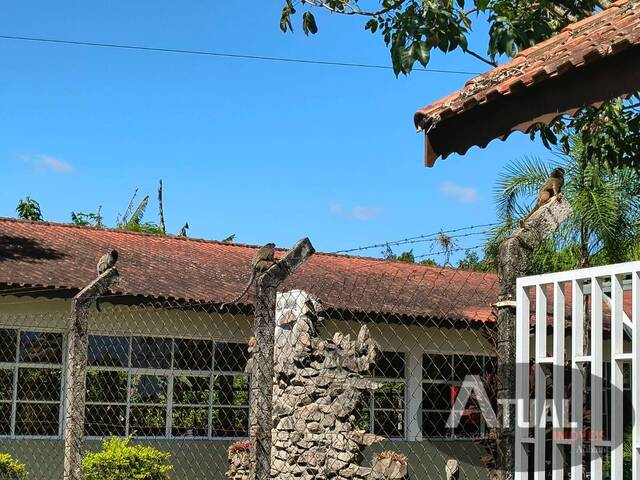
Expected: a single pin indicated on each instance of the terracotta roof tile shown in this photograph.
(607, 33)
(39, 254)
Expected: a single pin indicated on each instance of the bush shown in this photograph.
(10, 469)
(119, 460)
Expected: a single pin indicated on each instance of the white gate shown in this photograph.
(574, 332)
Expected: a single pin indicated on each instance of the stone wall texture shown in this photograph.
(318, 384)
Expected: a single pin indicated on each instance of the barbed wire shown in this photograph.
(423, 238)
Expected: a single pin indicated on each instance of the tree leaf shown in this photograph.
(371, 25)
(423, 53)
(309, 24)
(407, 59)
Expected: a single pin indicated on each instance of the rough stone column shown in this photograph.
(262, 357)
(76, 372)
(317, 387)
(513, 261)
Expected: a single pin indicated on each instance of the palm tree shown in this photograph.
(606, 210)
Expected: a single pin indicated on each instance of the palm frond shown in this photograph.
(138, 213)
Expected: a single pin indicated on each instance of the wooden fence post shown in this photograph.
(76, 371)
(261, 408)
(513, 262)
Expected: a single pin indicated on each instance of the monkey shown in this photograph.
(251, 343)
(549, 189)
(262, 261)
(183, 230)
(107, 261)
(251, 348)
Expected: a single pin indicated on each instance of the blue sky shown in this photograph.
(268, 151)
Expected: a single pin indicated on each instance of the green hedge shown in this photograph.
(119, 460)
(11, 469)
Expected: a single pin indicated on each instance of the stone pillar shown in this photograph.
(318, 385)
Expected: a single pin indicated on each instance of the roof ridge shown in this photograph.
(126, 232)
(233, 244)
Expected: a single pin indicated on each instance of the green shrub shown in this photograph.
(10, 469)
(119, 460)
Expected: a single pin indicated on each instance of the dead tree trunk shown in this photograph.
(76, 372)
(262, 357)
(513, 261)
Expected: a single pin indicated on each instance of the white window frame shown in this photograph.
(171, 373)
(371, 401)
(451, 382)
(15, 368)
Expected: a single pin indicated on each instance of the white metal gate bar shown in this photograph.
(605, 288)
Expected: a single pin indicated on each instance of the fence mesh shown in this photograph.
(368, 359)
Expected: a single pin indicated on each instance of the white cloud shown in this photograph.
(47, 163)
(359, 213)
(335, 209)
(460, 193)
(365, 213)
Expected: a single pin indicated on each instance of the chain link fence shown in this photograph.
(369, 356)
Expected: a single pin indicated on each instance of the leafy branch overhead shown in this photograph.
(411, 29)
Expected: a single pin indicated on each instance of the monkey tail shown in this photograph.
(244, 292)
(98, 305)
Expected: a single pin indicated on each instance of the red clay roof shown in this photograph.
(64, 256)
(592, 40)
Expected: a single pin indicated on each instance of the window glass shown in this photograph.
(104, 386)
(148, 421)
(37, 419)
(5, 419)
(105, 420)
(389, 395)
(437, 367)
(434, 424)
(389, 423)
(149, 389)
(467, 365)
(442, 377)
(191, 390)
(390, 365)
(362, 413)
(6, 384)
(41, 347)
(436, 396)
(193, 355)
(231, 390)
(8, 344)
(107, 351)
(190, 422)
(150, 352)
(231, 357)
(39, 384)
(230, 422)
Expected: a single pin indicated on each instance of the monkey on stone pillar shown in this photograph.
(107, 261)
(549, 189)
(262, 261)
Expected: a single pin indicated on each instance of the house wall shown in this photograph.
(207, 459)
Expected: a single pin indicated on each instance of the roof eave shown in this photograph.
(519, 110)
